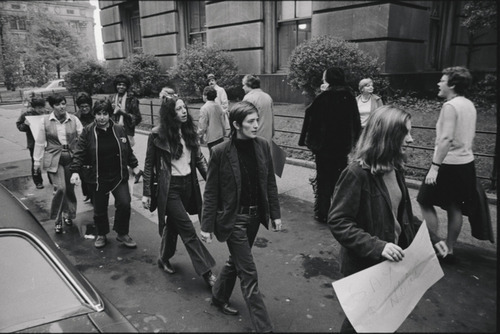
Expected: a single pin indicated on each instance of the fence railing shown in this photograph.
(150, 112)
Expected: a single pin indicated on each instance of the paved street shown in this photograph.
(295, 266)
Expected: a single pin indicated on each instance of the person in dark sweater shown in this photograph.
(240, 194)
(330, 130)
(104, 147)
(37, 107)
(85, 115)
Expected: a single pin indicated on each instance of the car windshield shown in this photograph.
(31, 289)
(45, 85)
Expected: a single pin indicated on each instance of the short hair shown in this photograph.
(459, 77)
(380, 143)
(83, 98)
(335, 76)
(103, 104)
(37, 101)
(239, 111)
(210, 93)
(252, 81)
(364, 82)
(121, 78)
(55, 99)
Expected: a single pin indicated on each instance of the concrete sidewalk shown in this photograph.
(295, 183)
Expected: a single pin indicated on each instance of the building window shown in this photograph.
(17, 23)
(132, 26)
(197, 23)
(70, 11)
(294, 27)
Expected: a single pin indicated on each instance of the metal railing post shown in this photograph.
(152, 116)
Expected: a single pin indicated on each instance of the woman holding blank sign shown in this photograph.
(371, 214)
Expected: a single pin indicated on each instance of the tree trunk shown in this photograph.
(58, 69)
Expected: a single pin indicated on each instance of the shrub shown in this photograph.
(196, 62)
(484, 91)
(88, 77)
(145, 73)
(310, 59)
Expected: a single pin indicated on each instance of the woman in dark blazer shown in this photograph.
(240, 194)
(173, 155)
(330, 130)
(371, 214)
(105, 154)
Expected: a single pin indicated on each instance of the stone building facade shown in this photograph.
(78, 14)
(409, 38)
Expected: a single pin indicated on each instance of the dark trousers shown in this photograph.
(241, 264)
(122, 213)
(178, 222)
(37, 175)
(328, 170)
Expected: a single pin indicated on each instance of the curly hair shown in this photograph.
(170, 125)
(121, 78)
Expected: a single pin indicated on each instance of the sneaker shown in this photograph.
(39, 186)
(127, 241)
(100, 241)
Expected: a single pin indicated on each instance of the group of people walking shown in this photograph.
(359, 149)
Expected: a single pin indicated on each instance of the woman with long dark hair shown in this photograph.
(371, 215)
(172, 158)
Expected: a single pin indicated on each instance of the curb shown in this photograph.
(411, 183)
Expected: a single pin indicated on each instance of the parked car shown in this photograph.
(54, 86)
(40, 289)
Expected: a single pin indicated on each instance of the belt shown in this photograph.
(248, 210)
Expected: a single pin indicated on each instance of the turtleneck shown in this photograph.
(249, 172)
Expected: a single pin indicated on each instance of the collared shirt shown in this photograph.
(41, 137)
(211, 122)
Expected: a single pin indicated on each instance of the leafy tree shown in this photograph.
(35, 72)
(310, 59)
(12, 66)
(145, 72)
(54, 43)
(196, 62)
(480, 18)
(87, 77)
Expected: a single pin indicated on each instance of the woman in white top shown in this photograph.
(172, 158)
(451, 180)
(367, 101)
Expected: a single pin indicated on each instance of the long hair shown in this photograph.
(170, 125)
(380, 144)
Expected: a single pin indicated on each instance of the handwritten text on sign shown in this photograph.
(379, 299)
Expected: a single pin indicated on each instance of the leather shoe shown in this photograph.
(210, 278)
(166, 266)
(224, 307)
